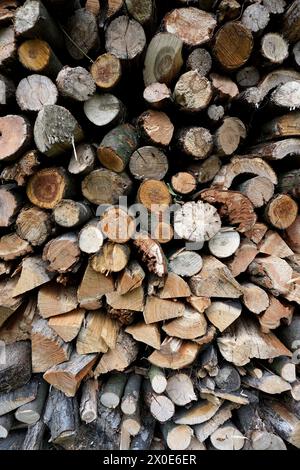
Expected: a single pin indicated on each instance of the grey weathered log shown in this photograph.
(82, 34)
(34, 92)
(75, 83)
(31, 412)
(34, 436)
(9, 401)
(143, 439)
(6, 423)
(61, 416)
(16, 370)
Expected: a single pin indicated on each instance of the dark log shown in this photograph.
(16, 370)
(82, 34)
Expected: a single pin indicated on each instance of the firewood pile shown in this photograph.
(150, 236)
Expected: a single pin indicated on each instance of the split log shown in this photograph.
(259, 190)
(177, 437)
(199, 59)
(276, 311)
(148, 163)
(37, 56)
(227, 437)
(257, 232)
(151, 254)
(285, 423)
(157, 95)
(160, 309)
(224, 49)
(243, 256)
(234, 205)
(208, 362)
(197, 414)
(104, 109)
(34, 274)
(31, 412)
(180, 389)
(34, 225)
(174, 354)
(98, 333)
(255, 299)
(48, 349)
(268, 383)
(214, 280)
(204, 430)
(163, 59)
(92, 288)
(16, 369)
(54, 299)
(12, 247)
(256, 18)
(75, 83)
(292, 235)
(82, 34)
(117, 225)
(249, 343)
(60, 416)
(82, 160)
(184, 23)
(229, 135)
(32, 20)
(67, 325)
(112, 257)
(125, 38)
(264, 272)
(23, 168)
(117, 147)
(105, 187)
(18, 326)
(10, 203)
(120, 357)
(160, 406)
(133, 300)
(223, 313)
(174, 287)
(68, 376)
(192, 92)
(197, 142)
(199, 303)
(156, 127)
(190, 325)
(113, 390)
(130, 400)
(185, 263)
(106, 71)
(9, 401)
(273, 244)
(88, 403)
(131, 278)
(186, 222)
(148, 334)
(62, 253)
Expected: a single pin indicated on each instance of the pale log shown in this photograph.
(112, 257)
(255, 298)
(160, 406)
(34, 92)
(269, 383)
(8, 46)
(156, 127)
(204, 430)
(229, 136)
(9, 401)
(185, 263)
(75, 83)
(225, 243)
(160, 309)
(157, 95)
(13, 144)
(196, 142)
(112, 391)
(186, 220)
(90, 237)
(125, 38)
(88, 403)
(189, 326)
(130, 400)
(98, 333)
(148, 163)
(256, 18)
(62, 253)
(69, 214)
(285, 368)
(34, 225)
(180, 389)
(157, 379)
(177, 436)
(271, 272)
(6, 423)
(174, 287)
(192, 92)
(227, 437)
(31, 412)
(197, 414)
